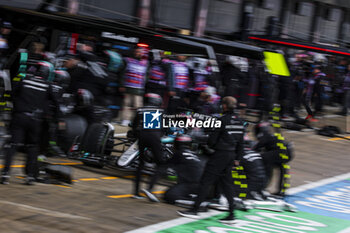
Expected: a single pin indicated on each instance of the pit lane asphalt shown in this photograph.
(99, 200)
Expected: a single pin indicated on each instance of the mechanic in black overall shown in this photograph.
(256, 176)
(275, 153)
(188, 168)
(227, 141)
(150, 139)
(31, 98)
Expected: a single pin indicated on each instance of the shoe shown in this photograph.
(56, 150)
(308, 117)
(203, 209)
(287, 118)
(150, 195)
(256, 196)
(314, 120)
(5, 179)
(138, 197)
(30, 180)
(188, 214)
(228, 219)
(125, 123)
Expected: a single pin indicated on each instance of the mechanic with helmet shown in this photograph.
(253, 165)
(28, 62)
(85, 105)
(149, 138)
(227, 142)
(60, 86)
(188, 168)
(87, 73)
(275, 152)
(31, 97)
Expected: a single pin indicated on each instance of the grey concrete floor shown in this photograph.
(88, 206)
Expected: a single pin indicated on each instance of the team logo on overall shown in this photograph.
(152, 120)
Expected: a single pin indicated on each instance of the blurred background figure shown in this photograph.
(159, 77)
(179, 85)
(346, 87)
(5, 32)
(132, 84)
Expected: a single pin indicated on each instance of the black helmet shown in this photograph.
(183, 141)
(152, 99)
(85, 98)
(62, 78)
(261, 129)
(45, 70)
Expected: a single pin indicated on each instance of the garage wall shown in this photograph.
(329, 24)
(224, 16)
(300, 18)
(263, 9)
(117, 9)
(177, 13)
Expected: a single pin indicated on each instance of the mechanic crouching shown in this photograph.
(188, 168)
(31, 98)
(150, 138)
(256, 174)
(276, 152)
(227, 141)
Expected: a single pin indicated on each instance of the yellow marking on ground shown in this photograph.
(66, 160)
(109, 178)
(20, 177)
(68, 164)
(97, 178)
(89, 179)
(16, 166)
(128, 176)
(120, 196)
(22, 165)
(63, 186)
(336, 139)
(159, 192)
(130, 195)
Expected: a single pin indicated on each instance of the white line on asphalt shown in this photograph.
(44, 211)
(305, 187)
(172, 223)
(180, 221)
(347, 230)
(307, 130)
(294, 131)
(331, 116)
(120, 135)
